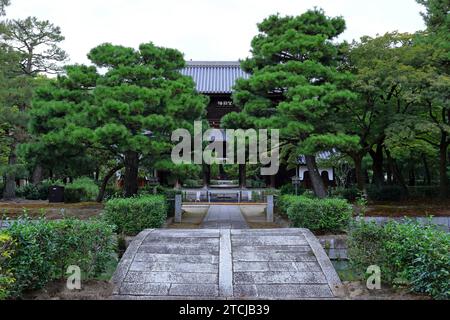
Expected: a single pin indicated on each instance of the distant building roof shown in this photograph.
(214, 76)
(324, 155)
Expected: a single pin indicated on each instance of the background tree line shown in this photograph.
(382, 102)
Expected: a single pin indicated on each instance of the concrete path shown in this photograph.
(225, 264)
(224, 217)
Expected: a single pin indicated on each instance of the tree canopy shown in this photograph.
(129, 112)
(295, 85)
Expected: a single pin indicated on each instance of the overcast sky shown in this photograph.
(202, 29)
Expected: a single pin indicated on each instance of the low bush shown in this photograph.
(44, 249)
(411, 253)
(284, 202)
(253, 183)
(324, 215)
(191, 183)
(132, 215)
(386, 193)
(6, 276)
(289, 189)
(349, 194)
(81, 190)
(36, 192)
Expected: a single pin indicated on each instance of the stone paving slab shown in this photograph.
(225, 264)
(224, 217)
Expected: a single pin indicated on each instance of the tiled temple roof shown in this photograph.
(214, 77)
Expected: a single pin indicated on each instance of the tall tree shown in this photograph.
(130, 111)
(14, 92)
(387, 86)
(37, 44)
(436, 15)
(295, 84)
(3, 5)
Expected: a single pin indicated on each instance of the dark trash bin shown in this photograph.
(56, 194)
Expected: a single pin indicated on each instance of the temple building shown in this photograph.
(216, 79)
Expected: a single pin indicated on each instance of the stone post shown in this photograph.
(269, 209)
(178, 211)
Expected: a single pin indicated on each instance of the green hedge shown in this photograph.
(6, 276)
(406, 252)
(350, 193)
(34, 192)
(284, 202)
(133, 215)
(81, 190)
(43, 250)
(324, 215)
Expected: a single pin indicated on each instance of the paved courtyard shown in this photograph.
(224, 217)
(225, 264)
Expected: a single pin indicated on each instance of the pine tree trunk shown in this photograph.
(131, 177)
(273, 182)
(427, 171)
(37, 174)
(316, 179)
(206, 175)
(10, 184)
(443, 178)
(101, 194)
(242, 176)
(397, 173)
(360, 180)
(412, 176)
(378, 172)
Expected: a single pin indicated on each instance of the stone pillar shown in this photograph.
(178, 211)
(269, 210)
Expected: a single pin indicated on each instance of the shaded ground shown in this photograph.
(36, 209)
(192, 218)
(438, 208)
(357, 290)
(90, 290)
(255, 216)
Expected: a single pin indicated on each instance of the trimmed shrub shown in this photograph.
(349, 194)
(386, 193)
(289, 189)
(37, 192)
(411, 253)
(284, 202)
(324, 215)
(81, 190)
(132, 215)
(365, 246)
(44, 249)
(191, 183)
(6, 276)
(252, 183)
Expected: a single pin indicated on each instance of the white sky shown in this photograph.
(202, 29)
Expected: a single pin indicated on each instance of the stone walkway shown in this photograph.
(225, 264)
(224, 217)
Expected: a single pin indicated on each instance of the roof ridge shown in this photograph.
(213, 64)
